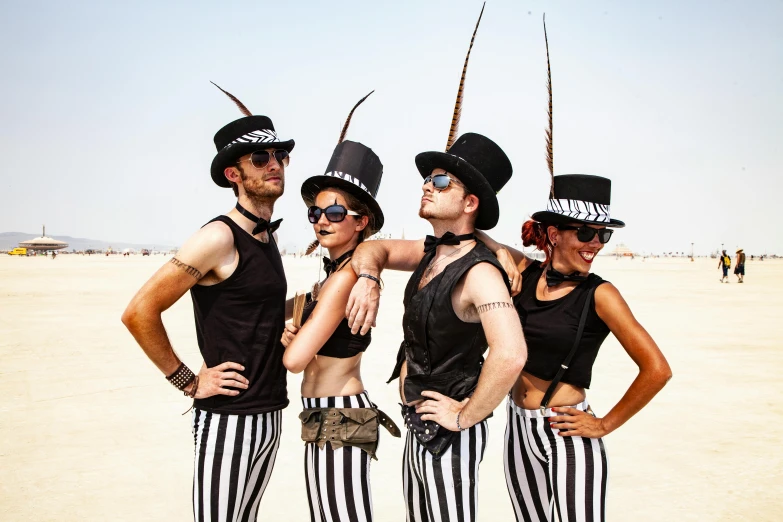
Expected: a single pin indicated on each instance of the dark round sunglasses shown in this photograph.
(334, 213)
(260, 158)
(585, 234)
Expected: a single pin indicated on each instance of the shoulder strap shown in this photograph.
(567, 361)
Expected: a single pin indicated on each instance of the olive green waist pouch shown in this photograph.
(340, 427)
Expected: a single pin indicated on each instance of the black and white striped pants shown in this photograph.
(338, 480)
(546, 472)
(445, 489)
(234, 458)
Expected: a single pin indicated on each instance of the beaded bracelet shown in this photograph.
(460, 428)
(181, 377)
(193, 389)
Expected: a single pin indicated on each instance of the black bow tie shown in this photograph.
(331, 266)
(432, 242)
(554, 278)
(262, 225)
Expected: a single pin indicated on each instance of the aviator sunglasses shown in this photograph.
(260, 158)
(440, 181)
(334, 213)
(585, 234)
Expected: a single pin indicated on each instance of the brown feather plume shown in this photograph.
(241, 105)
(350, 115)
(311, 247)
(549, 154)
(458, 105)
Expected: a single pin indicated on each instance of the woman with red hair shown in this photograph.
(555, 457)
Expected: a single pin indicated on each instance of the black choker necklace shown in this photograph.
(262, 225)
(554, 278)
(332, 266)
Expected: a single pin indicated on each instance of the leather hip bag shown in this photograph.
(340, 427)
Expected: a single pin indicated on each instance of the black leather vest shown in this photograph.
(444, 353)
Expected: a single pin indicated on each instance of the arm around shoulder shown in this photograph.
(371, 257)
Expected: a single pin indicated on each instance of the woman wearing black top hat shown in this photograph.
(555, 458)
(339, 423)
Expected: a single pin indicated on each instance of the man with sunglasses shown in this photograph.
(234, 272)
(456, 304)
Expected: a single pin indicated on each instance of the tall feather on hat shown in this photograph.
(244, 110)
(549, 152)
(458, 105)
(573, 198)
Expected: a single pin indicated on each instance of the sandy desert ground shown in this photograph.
(90, 430)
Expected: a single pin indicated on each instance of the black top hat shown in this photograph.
(480, 164)
(579, 198)
(243, 136)
(354, 168)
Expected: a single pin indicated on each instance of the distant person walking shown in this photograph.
(724, 262)
(739, 266)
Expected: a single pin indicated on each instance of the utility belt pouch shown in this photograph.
(434, 437)
(346, 427)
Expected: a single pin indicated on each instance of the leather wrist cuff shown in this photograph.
(181, 377)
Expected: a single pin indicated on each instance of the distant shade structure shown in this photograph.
(621, 250)
(43, 243)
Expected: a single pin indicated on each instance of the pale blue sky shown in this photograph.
(108, 114)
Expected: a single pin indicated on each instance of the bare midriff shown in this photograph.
(528, 392)
(332, 377)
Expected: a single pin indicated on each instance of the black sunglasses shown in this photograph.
(439, 181)
(585, 234)
(334, 213)
(260, 158)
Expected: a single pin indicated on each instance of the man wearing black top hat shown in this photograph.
(234, 272)
(456, 304)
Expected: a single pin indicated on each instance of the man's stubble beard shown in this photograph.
(443, 215)
(259, 192)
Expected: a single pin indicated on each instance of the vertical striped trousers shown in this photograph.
(234, 458)
(445, 489)
(338, 480)
(546, 472)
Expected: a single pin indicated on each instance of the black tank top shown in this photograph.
(241, 320)
(342, 344)
(550, 329)
(443, 353)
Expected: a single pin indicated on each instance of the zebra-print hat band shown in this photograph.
(581, 210)
(257, 136)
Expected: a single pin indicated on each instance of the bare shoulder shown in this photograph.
(212, 239)
(334, 295)
(341, 282)
(483, 280)
(609, 303)
(208, 248)
(607, 293)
